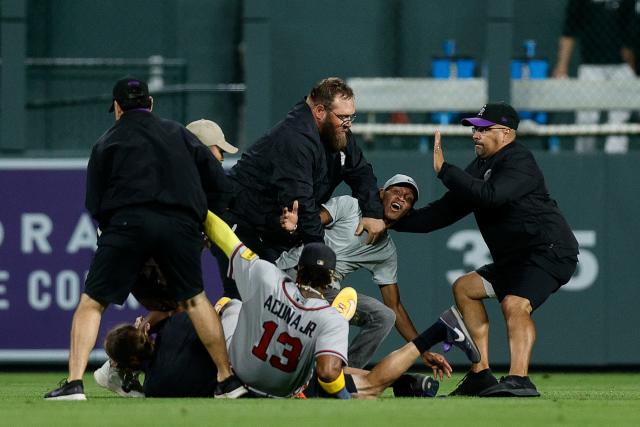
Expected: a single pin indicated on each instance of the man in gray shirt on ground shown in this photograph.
(341, 216)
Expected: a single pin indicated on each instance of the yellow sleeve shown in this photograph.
(220, 233)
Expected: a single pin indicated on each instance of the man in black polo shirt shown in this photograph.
(148, 181)
(534, 251)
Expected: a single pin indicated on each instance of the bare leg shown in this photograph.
(84, 332)
(373, 383)
(521, 332)
(209, 329)
(469, 292)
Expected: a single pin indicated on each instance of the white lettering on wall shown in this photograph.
(4, 303)
(588, 267)
(474, 257)
(67, 289)
(36, 227)
(84, 235)
(37, 294)
(1, 234)
(476, 254)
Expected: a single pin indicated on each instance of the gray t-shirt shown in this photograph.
(279, 333)
(352, 252)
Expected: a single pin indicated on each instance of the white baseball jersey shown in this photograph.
(279, 332)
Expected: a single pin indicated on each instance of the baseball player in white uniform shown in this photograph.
(284, 329)
(279, 334)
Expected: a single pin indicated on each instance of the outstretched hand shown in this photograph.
(438, 157)
(289, 218)
(438, 364)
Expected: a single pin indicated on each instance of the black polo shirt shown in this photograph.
(143, 159)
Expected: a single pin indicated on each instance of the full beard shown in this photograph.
(330, 136)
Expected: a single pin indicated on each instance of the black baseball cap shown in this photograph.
(494, 114)
(319, 255)
(129, 89)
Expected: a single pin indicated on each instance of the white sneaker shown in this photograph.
(110, 378)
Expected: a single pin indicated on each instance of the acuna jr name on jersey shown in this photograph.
(289, 315)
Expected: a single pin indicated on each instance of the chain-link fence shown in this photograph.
(68, 104)
(583, 95)
(569, 61)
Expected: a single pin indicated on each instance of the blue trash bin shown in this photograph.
(450, 66)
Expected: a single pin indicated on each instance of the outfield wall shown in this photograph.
(590, 321)
(47, 240)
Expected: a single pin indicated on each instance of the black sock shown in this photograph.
(432, 336)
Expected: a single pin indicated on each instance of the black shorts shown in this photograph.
(534, 275)
(134, 234)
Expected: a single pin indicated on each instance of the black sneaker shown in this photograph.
(458, 335)
(474, 383)
(415, 385)
(73, 390)
(512, 386)
(231, 388)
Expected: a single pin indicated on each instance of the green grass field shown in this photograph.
(576, 399)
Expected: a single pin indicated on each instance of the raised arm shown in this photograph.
(508, 182)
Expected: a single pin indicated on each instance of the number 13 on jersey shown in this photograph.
(286, 359)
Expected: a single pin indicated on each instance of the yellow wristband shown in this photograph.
(334, 386)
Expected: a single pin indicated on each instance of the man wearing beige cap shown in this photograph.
(210, 134)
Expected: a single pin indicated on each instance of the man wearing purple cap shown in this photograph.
(534, 251)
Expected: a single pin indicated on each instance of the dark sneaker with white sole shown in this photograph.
(131, 385)
(126, 385)
(475, 383)
(415, 385)
(231, 388)
(458, 335)
(512, 386)
(73, 390)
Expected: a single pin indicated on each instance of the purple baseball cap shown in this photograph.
(494, 114)
(128, 90)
